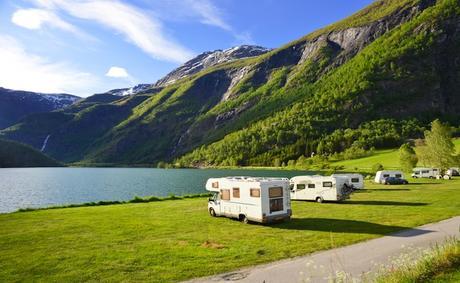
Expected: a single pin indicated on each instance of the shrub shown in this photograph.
(377, 167)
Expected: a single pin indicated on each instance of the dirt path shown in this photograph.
(353, 261)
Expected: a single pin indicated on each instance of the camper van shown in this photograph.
(320, 188)
(355, 180)
(431, 173)
(255, 199)
(380, 176)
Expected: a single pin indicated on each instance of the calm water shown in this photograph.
(41, 187)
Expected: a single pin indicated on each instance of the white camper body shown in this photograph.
(355, 180)
(380, 176)
(320, 188)
(431, 173)
(261, 200)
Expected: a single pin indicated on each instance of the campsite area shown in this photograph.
(175, 240)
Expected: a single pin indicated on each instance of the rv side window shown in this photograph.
(327, 184)
(275, 192)
(425, 172)
(311, 186)
(255, 193)
(236, 192)
(355, 180)
(215, 185)
(300, 187)
(386, 175)
(398, 175)
(225, 194)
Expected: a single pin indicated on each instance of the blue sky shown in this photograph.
(90, 46)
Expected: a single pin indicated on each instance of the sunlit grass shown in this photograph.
(177, 240)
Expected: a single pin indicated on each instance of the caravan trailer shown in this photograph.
(355, 180)
(380, 176)
(320, 188)
(261, 200)
(431, 173)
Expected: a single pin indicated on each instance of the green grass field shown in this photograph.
(176, 240)
(389, 158)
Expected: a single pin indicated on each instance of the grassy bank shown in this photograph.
(175, 240)
(440, 264)
(115, 202)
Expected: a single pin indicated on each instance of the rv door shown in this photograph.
(215, 201)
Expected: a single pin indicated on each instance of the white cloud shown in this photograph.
(209, 13)
(24, 71)
(117, 72)
(134, 24)
(35, 19)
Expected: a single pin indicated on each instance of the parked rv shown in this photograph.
(453, 172)
(320, 188)
(255, 199)
(380, 176)
(430, 173)
(355, 180)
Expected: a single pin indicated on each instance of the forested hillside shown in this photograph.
(13, 154)
(371, 80)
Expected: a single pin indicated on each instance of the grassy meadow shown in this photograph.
(389, 158)
(175, 240)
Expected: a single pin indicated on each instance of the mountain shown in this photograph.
(15, 104)
(14, 154)
(195, 65)
(209, 59)
(371, 80)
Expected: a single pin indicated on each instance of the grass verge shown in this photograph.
(440, 264)
(114, 202)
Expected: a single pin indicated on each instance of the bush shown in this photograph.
(377, 167)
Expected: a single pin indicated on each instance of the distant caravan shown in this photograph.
(381, 176)
(262, 200)
(355, 180)
(430, 173)
(320, 188)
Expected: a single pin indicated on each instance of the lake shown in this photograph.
(42, 187)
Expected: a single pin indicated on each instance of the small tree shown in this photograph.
(377, 167)
(407, 157)
(440, 149)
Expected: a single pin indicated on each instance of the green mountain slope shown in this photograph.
(372, 79)
(13, 154)
(408, 72)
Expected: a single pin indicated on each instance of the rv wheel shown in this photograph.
(244, 219)
(212, 212)
(319, 199)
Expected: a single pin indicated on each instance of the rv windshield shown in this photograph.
(214, 196)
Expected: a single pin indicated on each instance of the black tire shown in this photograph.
(212, 212)
(319, 200)
(405, 183)
(244, 219)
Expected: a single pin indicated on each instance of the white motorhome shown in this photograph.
(320, 188)
(380, 176)
(431, 173)
(255, 199)
(355, 180)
